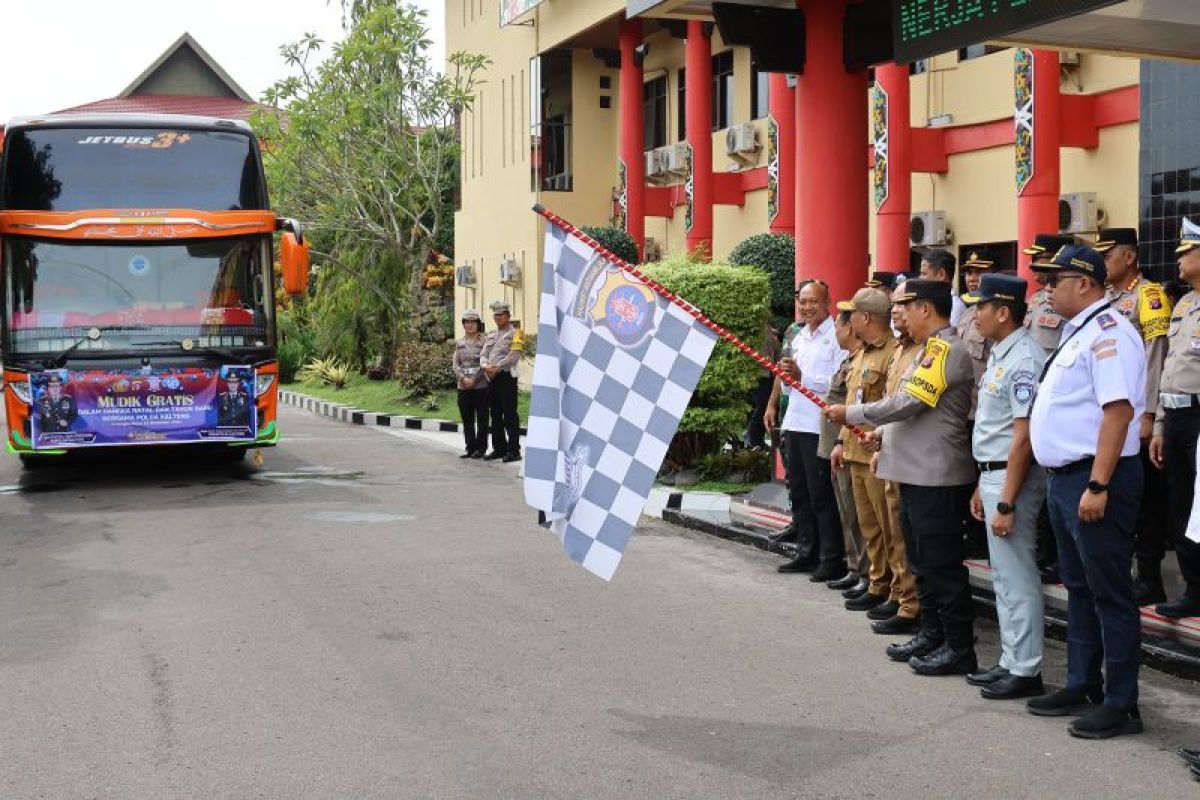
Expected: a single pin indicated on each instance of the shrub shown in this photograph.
(328, 371)
(775, 254)
(736, 298)
(617, 240)
(423, 368)
(296, 343)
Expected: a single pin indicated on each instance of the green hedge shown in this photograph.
(775, 254)
(616, 240)
(736, 298)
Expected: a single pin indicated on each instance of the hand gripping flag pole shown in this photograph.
(695, 313)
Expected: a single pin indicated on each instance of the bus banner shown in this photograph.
(73, 409)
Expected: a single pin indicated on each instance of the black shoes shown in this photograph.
(476, 454)
(1192, 757)
(828, 572)
(788, 534)
(884, 610)
(467, 454)
(849, 581)
(945, 661)
(857, 590)
(1147, 591)
(895, 625)
(511, 457)
(865, 601)
(987, 676)
(916, 647)
(1012, 687)
(1105, 723)
(493, 456)
(1178, 609)
(798, 565)
(1065, 703)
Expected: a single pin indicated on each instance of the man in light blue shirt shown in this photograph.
(1011, 487)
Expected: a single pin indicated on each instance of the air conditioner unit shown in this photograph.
(655, 170)
(675, 158)
(510, 273)
(464, 275)
(1078, 212)
(741, 142)
(928, 229)
(1068, 58)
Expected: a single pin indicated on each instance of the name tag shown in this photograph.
(1049, 321)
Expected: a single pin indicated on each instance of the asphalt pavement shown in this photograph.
(365, 615)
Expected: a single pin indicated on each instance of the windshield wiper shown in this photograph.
(190, 346)
(93, 335)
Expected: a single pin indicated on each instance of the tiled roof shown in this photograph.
(223, 107)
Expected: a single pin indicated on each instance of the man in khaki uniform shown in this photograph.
(1041, 320)
(1145, 304)
(974, 268)
(890, 598)
(499, 358)
(925, 447)
(1177, 424)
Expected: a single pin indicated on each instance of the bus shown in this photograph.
(137, 255)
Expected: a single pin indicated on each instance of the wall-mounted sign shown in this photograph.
(924, 28)
(511, 9)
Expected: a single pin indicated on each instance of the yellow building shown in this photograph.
(545, 129)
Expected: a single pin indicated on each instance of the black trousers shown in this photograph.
(755, 430)
(1180, 429)
(814, 506)
(1154, 520)
(506, 425)
(931, 518)
(473, 408)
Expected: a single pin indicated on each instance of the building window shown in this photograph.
(760, 93)
(977, 51)
(550, 113)
(722, 90)
(681, 105)
(654, 113)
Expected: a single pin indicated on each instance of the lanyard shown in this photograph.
(1057, 350)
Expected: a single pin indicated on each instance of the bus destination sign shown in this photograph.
(924, 28)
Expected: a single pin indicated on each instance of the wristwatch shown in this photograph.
(1005, 508)
(1096, 487)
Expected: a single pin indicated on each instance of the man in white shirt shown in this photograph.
(1085, 431)
(812, 357)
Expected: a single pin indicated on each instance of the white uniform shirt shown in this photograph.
(1105, 362)
(819, 357)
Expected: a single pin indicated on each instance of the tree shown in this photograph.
(362, 147)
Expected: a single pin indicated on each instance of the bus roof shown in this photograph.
(166, 121)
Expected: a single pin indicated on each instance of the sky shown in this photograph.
(56, 54)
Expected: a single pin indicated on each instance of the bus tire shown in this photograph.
(32, 462)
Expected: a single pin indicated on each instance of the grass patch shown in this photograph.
(722, 487)
(385, 397)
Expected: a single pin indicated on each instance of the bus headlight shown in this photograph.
(21, 390)
(262, 382)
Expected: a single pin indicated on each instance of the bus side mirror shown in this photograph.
(294, 260)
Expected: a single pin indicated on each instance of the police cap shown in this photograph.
(471, 315)
(1189, 237)
(998, 288)
(869, 299)
(922, 289)
(1108, 238)
(977, 262)
(1045, 245)
(1076, 258)
(500, 307)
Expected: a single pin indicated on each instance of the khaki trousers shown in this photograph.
(904, 583)
(856, 551)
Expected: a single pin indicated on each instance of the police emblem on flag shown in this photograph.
(627, 310)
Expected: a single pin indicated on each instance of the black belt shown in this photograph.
(1074, 466)
(991, 466)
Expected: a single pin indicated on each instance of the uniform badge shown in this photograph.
(1106, 321)
(1023, 393)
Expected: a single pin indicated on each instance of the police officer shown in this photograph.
(925, 448)
(891, 597)
(1177, 424)
(1085, 431)
(233, 404)
(499, 358)
(1011, 487)
(1041, 320)
(977, 344)
(56, 411)
(1146, 305)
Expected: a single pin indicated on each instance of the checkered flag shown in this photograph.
(616, 366)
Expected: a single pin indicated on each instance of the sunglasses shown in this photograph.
(1054, 280)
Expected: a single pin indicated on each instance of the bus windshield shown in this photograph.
(212, 293)
(73, 169)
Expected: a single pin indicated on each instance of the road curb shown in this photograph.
(360, 416)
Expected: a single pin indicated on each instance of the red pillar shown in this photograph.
(782, 101)
(893, 160)
(1039, 136)
(633, 165)
(698, 122)
(831, 184)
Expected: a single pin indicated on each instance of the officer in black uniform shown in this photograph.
(56, 411)
(233, 405)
